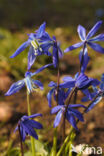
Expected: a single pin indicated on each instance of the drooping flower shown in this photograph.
(97, 95)
(89, 39)
(62, 95)
(70, 114)
(27, 126)
(81, 82)
(35, 46)
(47, 43)
(30, 83)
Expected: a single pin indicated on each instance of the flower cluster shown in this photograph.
(40, 43)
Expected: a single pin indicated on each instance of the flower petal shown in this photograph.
(75, 46)
(96, 47)
(20, 49)
(34, 124)
(31, 57)
(58, 118)
(28, 129)
(71, 120)
(86, 59)
(15, 87)
(68, 78)
(77, 114)
(49, 97)
(67, 84)
(34, 115)
(41, 30)
(98, 99)
(75, 105)
(97, 38)
(38, 83)
(82, 32)
(94, 29)
(56, 109)
(52, 84)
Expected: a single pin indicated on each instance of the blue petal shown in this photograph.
(41, 30)
(67, 84)
(31, 57)
(38, 83)
(77, 114)
(34, 124)
(29, 130)
(75, 46)
(28, 84)
(75, 105)
(71, 120)
(20, 49)
(87, 93)
(95, 82)
(49, 96)
(97, 38)
(82, 32)
(86, 59)
(15, 87)
(23, 133)
(42, 68)
(68, 78)
(96, 47)
(34, 115)
(55, 56)
(58, 118)
(98, 99)
(94, 29)
(52, 84)
(56, 109)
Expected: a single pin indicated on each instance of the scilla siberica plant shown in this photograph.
(40, 43)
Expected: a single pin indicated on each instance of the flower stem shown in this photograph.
(22, 154)
(32, 139)
(65, 142)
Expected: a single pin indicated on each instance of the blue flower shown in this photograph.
(35, 46)
(88, 40)
(28, 81)
(81, 82)
(27, 126)
(48, 43)
(62, 95)
(97, 95)
(70, 114)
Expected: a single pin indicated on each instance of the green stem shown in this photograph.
(32, 139)
(65, 142)
(54, 148)
(71, 143)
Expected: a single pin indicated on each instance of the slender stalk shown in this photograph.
(32, 139)
(21, 145)
(65, 142)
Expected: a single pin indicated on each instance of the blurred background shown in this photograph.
(19, 17)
